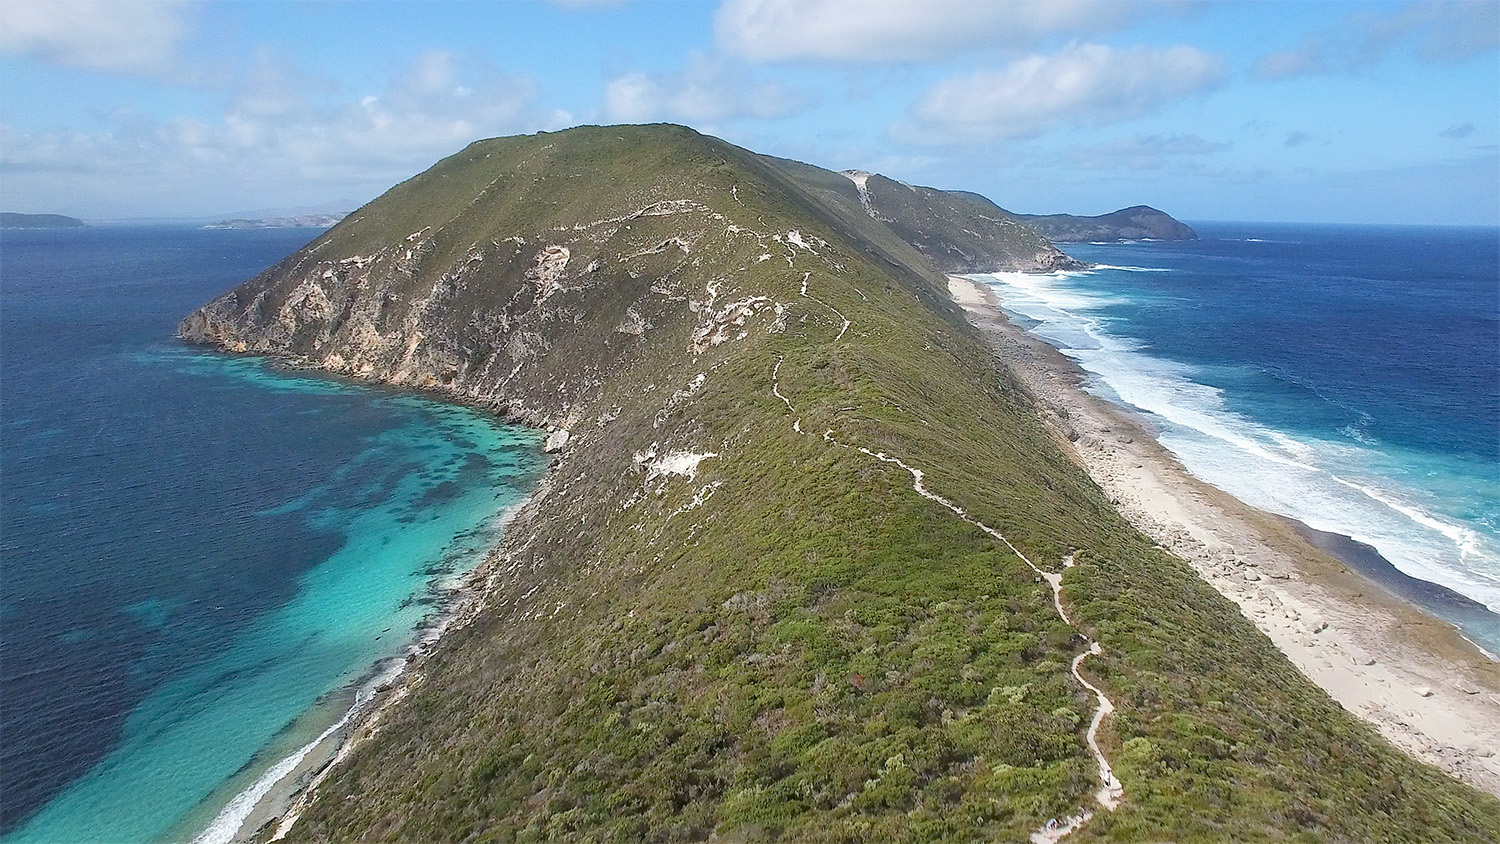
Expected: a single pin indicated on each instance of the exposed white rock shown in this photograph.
(633, 323)
(860, 179)
(556, 441)
(547, 273)
(307, 299)
(794, 237)
(724, 324)
(684, 463)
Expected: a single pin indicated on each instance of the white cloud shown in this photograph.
(704, 91)
(129, 36)
(280, 141)
(1433, 31)
(1083, 84)
(888, 30)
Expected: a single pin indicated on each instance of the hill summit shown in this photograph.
(809, 565)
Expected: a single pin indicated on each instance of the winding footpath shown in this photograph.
(1110, 791)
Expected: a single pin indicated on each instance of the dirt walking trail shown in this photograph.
(1110, 792)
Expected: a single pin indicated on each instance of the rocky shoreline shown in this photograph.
(1426, 688)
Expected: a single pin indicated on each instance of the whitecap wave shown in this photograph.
(1328, 485)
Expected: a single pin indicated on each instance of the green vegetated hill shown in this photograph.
(722, 620)
(1138, 222)
(956, 231)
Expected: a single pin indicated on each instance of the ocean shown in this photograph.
(1344, 376)
(206, 560)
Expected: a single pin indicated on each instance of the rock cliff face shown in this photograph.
(1139, 222)
(475, 297)
(808, 565)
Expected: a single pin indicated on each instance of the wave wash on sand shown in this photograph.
(1338, 487)
(1413, 677)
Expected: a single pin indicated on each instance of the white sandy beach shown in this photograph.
(1425, 687)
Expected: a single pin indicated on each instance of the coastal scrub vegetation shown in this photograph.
(715, 621)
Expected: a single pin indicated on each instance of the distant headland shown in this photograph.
(1138, 222)
(300, 221)
(11, 220)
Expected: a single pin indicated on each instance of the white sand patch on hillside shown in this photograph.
(682, 463)
(861, 179)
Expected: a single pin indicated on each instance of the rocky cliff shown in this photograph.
(1139, 222)
(808, 566)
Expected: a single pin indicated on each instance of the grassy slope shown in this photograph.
(811, 650)
(955, 231)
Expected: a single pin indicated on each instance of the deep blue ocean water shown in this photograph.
(1345, 376)
(197, 549)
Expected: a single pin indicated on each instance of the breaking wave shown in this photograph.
(1329, 485)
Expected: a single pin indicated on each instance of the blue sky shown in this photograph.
(1280, 111)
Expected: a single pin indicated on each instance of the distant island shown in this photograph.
(10, 220)
(302, 221)
(1138, 222)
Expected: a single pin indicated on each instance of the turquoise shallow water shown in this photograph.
(429, 503)
(201, 549)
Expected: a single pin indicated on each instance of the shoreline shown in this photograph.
(1434, 599)
(278, 803)
(1362, 636)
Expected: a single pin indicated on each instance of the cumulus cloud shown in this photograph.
(1460, 130)
(1084, 84)
(887, 30)
(279, 135)
(1432, 31)
(128, 36)
(1142, 152)
(704, 91)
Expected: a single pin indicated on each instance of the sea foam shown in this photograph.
(1330, 486)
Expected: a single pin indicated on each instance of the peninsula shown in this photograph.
(299, 221)
(813, 562)
(11, 220)
(1139, 222)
